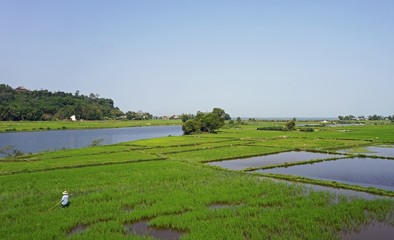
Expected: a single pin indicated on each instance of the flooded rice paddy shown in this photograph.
(337, 193)
(367, 172)
(273, 159)
(381, 150)
(375, 230)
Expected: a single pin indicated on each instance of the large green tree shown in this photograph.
(205, 122)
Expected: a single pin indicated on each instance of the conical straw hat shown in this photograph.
(65, 193)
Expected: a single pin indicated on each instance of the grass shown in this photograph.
(165, 181)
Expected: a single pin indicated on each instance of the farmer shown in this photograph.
(64, 200)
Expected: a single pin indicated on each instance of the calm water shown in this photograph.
(368, 172)
(273, 159)
(337, 193)
(383, 151)
(30, 142)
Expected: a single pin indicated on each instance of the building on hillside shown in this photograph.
(21, 89)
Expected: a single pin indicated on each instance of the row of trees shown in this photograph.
(138, 115)
(45, 105)
(371, 117)
(204, 122)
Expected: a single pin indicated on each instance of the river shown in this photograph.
(32, 142)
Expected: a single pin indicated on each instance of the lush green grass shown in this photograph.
(171, 194)
(10, 126)
(165, 181)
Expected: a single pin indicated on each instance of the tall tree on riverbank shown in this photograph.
(205, 122)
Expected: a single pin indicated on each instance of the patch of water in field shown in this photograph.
(272, 159)
(367, 172)
(221, 206)
(337, 192)
(142, 228)
(382, 150)
(376, 230)
(77, 229)
(128, 209)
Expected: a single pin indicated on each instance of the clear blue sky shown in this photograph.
(251, 58)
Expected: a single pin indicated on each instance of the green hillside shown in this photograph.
(22, 104)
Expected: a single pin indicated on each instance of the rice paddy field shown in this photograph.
(166, 187)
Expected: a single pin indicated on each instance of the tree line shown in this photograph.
(16, 105)
(374, 117)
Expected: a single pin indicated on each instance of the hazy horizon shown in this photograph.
(251, 58)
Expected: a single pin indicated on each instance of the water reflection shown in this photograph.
(273, 159)
(367, 172)
(41, 141)
(382, 150)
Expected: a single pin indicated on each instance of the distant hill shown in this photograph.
(23, 104)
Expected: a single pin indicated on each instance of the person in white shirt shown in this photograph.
(64, 200)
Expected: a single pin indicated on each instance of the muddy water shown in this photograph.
(273, 159)
(77, 229)
(367, 172)
(378, 231)
(142, 228)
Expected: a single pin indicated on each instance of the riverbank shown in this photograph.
(27, 126)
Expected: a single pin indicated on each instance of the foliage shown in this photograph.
(307, 129)
(97, 142)
(45, 105)
(205, 122)
(272, 128)
(239, 120)
(10, 151)
(290, 125)
(138, 115)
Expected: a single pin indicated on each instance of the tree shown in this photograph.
(191, 126)
(290, 125)
(205, 122)
(239, 120)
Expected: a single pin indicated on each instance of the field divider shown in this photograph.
(81, 166)
(245, 156)
(286, 164)
(205, 148)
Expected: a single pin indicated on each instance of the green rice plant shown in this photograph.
(216, 154)
(74, 162)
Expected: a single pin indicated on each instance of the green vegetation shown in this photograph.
(165, 181)
(205, 122)
(22, 104)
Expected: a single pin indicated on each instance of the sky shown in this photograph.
(251, 58)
